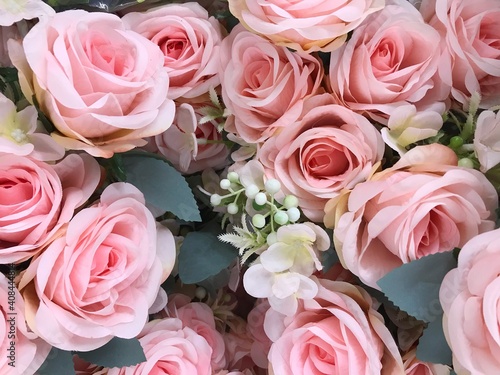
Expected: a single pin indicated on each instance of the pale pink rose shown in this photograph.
(336, 333)
(320, 25)
(17, 10)
(200, 318)
(170, 348)
(390, 60)
(470, 298)
(189, 145)
(264, 85)
(470, 61)
(98, 279)
(487, 139)
(104, 87)
(255, 328)
(23, 352)
(38, 199)
(238, 345)
(413, 366)
(190, 41)
(19, 134)
(6, 33)
(331, 148)
(409, 211)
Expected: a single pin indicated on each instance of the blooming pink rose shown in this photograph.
(190, 146)
(336, 333)
(470, 298)
(37, 199)
(190, 41)
(391, 60)
(170, 348)
(104, 87)
(487, 139)
(409, 211)
(19, 345)
(331, 148)
(470, 61)
(264, 85)
(200, 318)
(19, 133)
(413, 366)
(318, 26)
(98, 279)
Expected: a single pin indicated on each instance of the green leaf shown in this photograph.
(116, 353)
(432, 346)
(202, 255)
(58, 362)
(414, 287)
(162, 185)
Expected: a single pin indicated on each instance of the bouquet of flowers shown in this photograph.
(250, 187)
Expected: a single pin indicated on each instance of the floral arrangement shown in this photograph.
(238, 187)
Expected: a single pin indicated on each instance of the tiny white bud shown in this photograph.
(272, 238)
(272, 186)
(215, 199)
(290, 201)
(293, 214)
(225, 184)
(200, 293)
(258, 221)
(281, 217)
(233, 177)
(261, 198)
(232, 208)
(251, 191)
(466, 163)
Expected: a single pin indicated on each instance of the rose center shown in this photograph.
(14, 192)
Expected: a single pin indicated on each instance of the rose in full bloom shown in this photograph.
(98, 279)
(190, 146)
(200, 318)
(103, 87)
(263, 85)
(470, 61)
(487, 139)
(470, 298)
(413, 366)
(19, 135)
(28, 351)
(336, 333)
(190, 41)
(38, 199)
(331, 148)
(391, 60)
(301, 25)
(170, 348)
(423, 205)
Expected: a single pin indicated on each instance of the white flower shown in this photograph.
(487, 140)
(16, 10)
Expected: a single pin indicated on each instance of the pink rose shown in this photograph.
(255, 328)
(331, 148)
(6, 33)
(200, 318)
(470, 299)
(391, 60)
(170, 348)
(190, 41)
(413, 366)
(336, 333)
(301, 25)
(409, 211)
(487, 139)
(264, 85)
(98, 279)
(104, 87)
(38, 199)
(28, 351)
(470, 61)
(190, 146)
